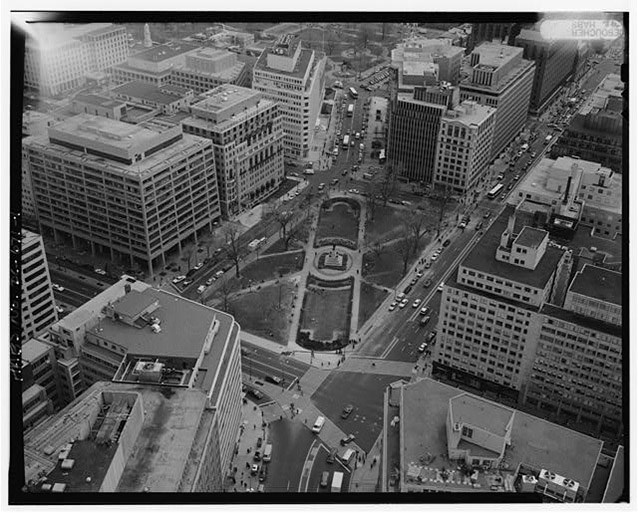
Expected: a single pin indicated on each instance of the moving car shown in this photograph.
(347, 411)
(57, 287)
(274, 379)
(179, 279)
(347, 439)
(101, 272)
(440, 287)
(332, 456)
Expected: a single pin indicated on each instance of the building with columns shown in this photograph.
(136, 191)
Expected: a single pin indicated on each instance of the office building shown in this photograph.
(502, 32)
(554, 65)
(208, 68)
(421, 62)
(38, 304)
(500, 78)
(415, 121)
(136, 191)
(443, 439)
(572, 191)
(168, 99)
(247, 135)
(488, 325)
(464, 146)
(154, 65)
(98, 105)
(294, 77)
(127, 335)
(40, 394)
(58, 56)
(595, 132)
(577, 372)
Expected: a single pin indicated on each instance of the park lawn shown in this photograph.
(262, 313)
(340, 220)
(387, 269)
(270, 267)
(278, 247)
(370, 299)
(325, 313)
(387, 224)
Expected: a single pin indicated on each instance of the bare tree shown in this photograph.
(388, 182)
(371, 200)
(226, 288)
(284, 219)
(405, 247)
(364, 35)
(377, 248)
(443, 197)
(307, 200)
(231, 234)
(416, 223)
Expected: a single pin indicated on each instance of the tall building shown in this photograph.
(443, 439)
(137, 191)
(577, 372)
(248, 142)
(38, 304)
(208, 68)
(464, 146)
(502, 79)
(554, 65)
(178, 405)
(58, 56)
(294, 77)
(422, 62)
(595, 133)
(503, 32)
(488, 325)
(415, 121)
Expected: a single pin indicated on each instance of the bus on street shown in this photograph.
(353, 92)
(346, 141)
(495, 191)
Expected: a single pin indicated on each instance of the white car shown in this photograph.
(402, 304)
(416, 303)
(392, 306)
(57, 287)
(425, 310)
(419, 274)
(179, 279)
(434, 257)
(400, 296)
(101, 272)
(209, 281)
(219, 273)
(440, 287)
(198, 266)
(201, 289)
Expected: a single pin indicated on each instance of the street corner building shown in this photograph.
(156, 407)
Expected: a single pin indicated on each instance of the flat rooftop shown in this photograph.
(299, 71)
(32, 350)
(535, 442)
(530, 237)
(469, 113)
(496, 54)
(97, 100)
(582, 320)
(166, 51)
(482, 257)
(226, 96)
(598, 283)
(474, 410)
(532, 35)
(146, 91)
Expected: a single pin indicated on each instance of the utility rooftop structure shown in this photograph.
(125, 166)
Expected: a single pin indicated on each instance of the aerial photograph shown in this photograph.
(319, 259)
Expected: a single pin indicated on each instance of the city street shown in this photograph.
(257, 363)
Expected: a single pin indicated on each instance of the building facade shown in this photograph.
(464, 146)
(415, 121)
(136, 191)
(500, 78)
(595, 133)
(58, 56)
(294, 77)
(246, 130)
(554, 65)
(208, 68)
(40, 395)
(502, 32)
(37, 302)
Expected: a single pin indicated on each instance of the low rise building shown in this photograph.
(453, 441)
(246, 130)
(595, 132)
(167, 99)
(98, 105)
(208, 68)
(464, 147)
(293, 76)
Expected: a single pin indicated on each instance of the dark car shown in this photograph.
(274, 379)
(255, 393)
(407, 289)
(325, 476)
(332, 456)
(347, 411)
(425, 320)
(259, 442)
(257, 456)
(347, 439)
(431, 336)
(263, 474)
(446, 243)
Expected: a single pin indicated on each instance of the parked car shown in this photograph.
(332, 456)
(325, 476)
(416, 303)
(347, 411)
(209, 281)
(428, 265)
(201, 289)
(199, 266)
(424, 311)
(431, 336)
(186, 283)
(446, 243)
(274, 379)
(101, 272)
(440, 287)
(254, 469)
(179, 279)
(423, 347)
(425, 320)
(263, 473)
(392, 306)
(57, 287)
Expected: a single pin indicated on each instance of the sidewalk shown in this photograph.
(365, 477)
